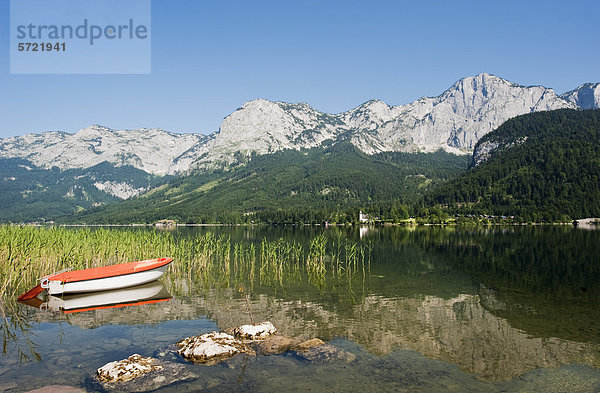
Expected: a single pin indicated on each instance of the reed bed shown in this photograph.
(27, 253)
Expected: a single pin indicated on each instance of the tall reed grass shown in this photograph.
(202, 261)
(28, 253)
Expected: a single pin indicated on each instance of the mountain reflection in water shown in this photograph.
(498, 303)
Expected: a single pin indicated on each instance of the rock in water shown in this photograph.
(308, 344)
(57, 389)
(315, 350)
(255, 331)
(127, 369)
(167, 374)
(211, 348)
(275, 345)
(327, 353)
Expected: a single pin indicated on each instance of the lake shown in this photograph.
(419, 309)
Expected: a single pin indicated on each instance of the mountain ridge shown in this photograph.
(453, 121)
(586, 96)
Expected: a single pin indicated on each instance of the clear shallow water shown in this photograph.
(504, 309)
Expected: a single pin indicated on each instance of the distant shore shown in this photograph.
(586, 223)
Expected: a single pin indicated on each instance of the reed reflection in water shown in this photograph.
(504, 305)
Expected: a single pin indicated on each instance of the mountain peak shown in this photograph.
(264, 126)
(586, 96)
(99, 127)
(372, 110)
(373, 103)
(258, 102)
(480, 82)
(93, 130)
(261, 103)
(96, 127)
(485, 76)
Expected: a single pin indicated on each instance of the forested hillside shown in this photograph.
(330, 183)
(538, 167)
(29, 193)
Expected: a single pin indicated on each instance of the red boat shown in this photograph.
(103, 278)
(149, 293)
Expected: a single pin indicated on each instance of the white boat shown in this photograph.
(153, 292)
(103, 278)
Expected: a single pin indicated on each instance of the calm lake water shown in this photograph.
(431, 309)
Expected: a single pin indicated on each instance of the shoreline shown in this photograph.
(412, 223)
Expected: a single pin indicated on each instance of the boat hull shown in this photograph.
(56, 287)
(141, 294)
(103, 278)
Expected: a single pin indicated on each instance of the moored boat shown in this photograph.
(149, 293)
(103, 278)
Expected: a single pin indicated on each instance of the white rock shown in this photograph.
(121, 190)
(169, 373)
(256, 331)
(127, 369)
(211, 347)
(484, 150)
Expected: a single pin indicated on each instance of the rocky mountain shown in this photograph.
(586, 96)
(454, 121)
(153, 151)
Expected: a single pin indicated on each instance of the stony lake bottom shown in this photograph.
(424, 309)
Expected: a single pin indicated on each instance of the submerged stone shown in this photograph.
(211, 348)
(255, 331)
(316, 350)
(127, 369)
(308, 344)
(276, 344)
(57, 389)
(168, 374)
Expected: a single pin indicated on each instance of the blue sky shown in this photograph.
(210, 57)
